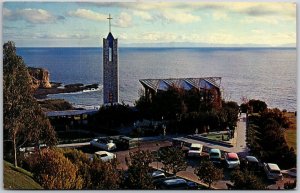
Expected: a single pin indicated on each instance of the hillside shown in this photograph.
(18, 178)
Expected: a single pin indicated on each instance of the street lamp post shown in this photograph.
(157, 156)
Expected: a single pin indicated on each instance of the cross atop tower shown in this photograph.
(109, 18)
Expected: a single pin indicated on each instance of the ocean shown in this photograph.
(268, 74)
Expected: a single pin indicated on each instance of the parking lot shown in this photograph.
(192, 164)
(239, 147)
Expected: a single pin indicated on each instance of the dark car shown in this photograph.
(252, 163)
(176, 183)
(124, 142)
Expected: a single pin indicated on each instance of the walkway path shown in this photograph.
(238, 142)
(240, 137)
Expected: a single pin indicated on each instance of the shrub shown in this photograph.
(54, 171)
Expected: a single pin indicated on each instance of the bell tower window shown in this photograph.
(110, 54)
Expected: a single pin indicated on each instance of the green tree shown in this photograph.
(208, 173)
(246, 181)
(266, 138)
(173, 159)
(276, 115)
(24, 121)
(139, 170)
(257, 106)
(54, 171)
(167, 103)
(228, 115)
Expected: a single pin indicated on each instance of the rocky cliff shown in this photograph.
(40, 77)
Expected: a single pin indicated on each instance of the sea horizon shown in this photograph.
(169, 47)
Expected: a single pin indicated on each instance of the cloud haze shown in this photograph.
(84, 23)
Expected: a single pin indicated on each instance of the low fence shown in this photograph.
(204, 139)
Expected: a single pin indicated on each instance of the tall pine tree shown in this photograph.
(24, 121)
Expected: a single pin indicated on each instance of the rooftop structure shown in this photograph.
(185, 83)
(209, 85)
(70, 113)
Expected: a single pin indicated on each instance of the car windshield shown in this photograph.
(275, 171)
(232, 159)
(103, 155)
(195, 148)
(158, 177)
(214, 154)
(215, 159)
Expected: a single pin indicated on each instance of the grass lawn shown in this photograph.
(217, 137)
(18, 178)
(291, 133)
(291, 138)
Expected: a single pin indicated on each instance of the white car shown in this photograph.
(105, 156)
(272, 171)
(232, 160)
(195, 150)
(103, 143)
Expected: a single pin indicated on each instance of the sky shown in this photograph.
(81, 24)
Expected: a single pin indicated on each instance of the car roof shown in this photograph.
(158, 173)
(125, 137)
(251, 159)
(273, 166)
(196, 145)
(102, 152)
(232, 155)
(214, 151)
(174, 181)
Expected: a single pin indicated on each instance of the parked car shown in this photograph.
(215, 156)
(105, 156)
(195, 150)
(174, 184)
(158, 175)
(27, 149)
(252, 163)
(124, 142)
(232, 160)
(291, 172)
(158, 182)
(272, 171)
(103, 143)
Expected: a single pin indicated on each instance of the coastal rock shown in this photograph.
(74, 86)
(40, 77)
(41, 93)
(55, 105)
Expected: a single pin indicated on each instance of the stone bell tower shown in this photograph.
(110, 68)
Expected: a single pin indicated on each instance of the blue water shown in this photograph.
(268, 74)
